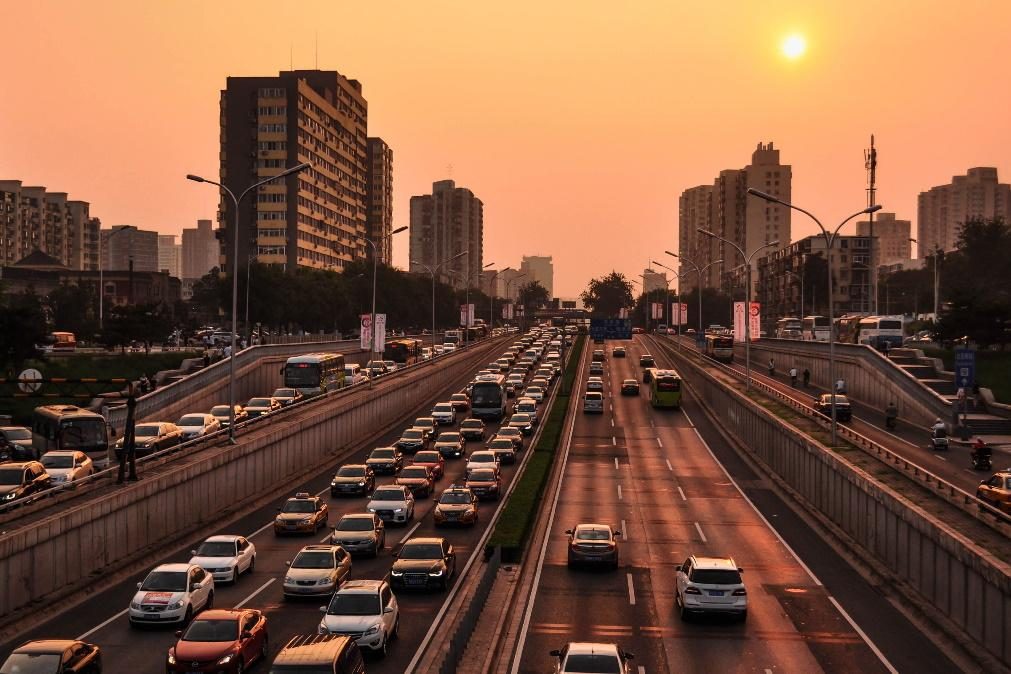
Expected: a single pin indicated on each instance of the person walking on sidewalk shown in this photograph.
(807, 377)
(772, 367)
(793, 377)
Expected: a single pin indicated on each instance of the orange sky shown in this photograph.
(577, 123)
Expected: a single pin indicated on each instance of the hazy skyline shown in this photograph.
(577, 124)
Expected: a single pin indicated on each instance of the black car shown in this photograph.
(355, 479)
(21, 479)
(630, 387)
(412, 440)
(220, 412)
(450, 445)
(472, 429)
(386, 460)
(843, 411)
(423, 563)
(646, 360)
(63, 656)
(16, 444)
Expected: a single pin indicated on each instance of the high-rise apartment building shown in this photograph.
(892, 244)
(653, 280)
(317, 218)
(125, 243)
(444, 224)
(942, 210)
(201, 250)
(170, 255)
(379, 195)
(32, 218)
(541, 269)
(695, 211)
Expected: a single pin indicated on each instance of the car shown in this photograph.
(583, 657)
(150, 437)
(522, 421)
(426, 424)
(630, 387)
(472, 429)
(171, 593)
(423, 563)
(227, 640)
(594, 384)
(301, 514)
(996, 491)
(448, 347)
(444, 414)
(485, 483)
(316, 570)
(392, 503)
(197, 425)
(353, 479)
(287, 396)
(432, 460)
(460, 402)
(542, 382)
(385, 460)
(535, 393)
(456, 505)
(54, 656)
(513, 433)
(710, 585)
(220, 412)
(375, 368)
(225, 557)
(843, 410)
(67, 465)
(526, 406)
(598, 356)
(19, 439)
(516, 381)
(504, 364)
(19, 479)
(360, 533)
(258, 407)
(618, 352)
(319, 653)
(450, 444)
(438, 349)
(646, 360)
(593, 544)
(391, 365)
(365, 610)
(597, 368)
(412, 440)
(593, 402)
(483, 459)
(426, 353)
(418, 478)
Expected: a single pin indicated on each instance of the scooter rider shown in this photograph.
(981, 454)
(891, 414)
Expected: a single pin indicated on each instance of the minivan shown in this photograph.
(314, 653)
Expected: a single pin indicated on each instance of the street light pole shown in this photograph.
(801, 279)
(432, 269)
(491, 297)
(677, 294)
(829, 242)
(235, 276)
(699, 272)
(509, 283)
(375, 265)
(466, 304)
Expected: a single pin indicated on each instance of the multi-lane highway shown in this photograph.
(667, 480)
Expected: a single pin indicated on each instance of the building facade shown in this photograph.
(313, 219)
(891, 238)
(444, 224)
(124, 243)
(170, 255)
(379, 194)
(695, 209)
(653, 280)
(541, 269)
(942, 210)
(32, 218)
(201, 251)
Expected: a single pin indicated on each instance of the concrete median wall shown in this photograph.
(955, 577)
(67, 551)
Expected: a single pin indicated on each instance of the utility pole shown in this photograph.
(871, 164)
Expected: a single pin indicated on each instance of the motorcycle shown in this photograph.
(938, 440)
(981, 458)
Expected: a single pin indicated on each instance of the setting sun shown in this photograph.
(794, 46)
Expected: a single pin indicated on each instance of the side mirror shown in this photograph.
(288, 563)
(677, 568)
(198, 586)
(394, 555)
(179, 634)
(193, 553)
(322, 609)
(617, 533)
(139, 585)
(629, 656)
(388, 609)
(557, 653)
(740, 570)
(568, 531)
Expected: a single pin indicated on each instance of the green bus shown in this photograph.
(665, 389)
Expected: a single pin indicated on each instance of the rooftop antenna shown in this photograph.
(871, 164)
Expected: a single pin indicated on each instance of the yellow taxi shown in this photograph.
(303, 514)
(996, 491)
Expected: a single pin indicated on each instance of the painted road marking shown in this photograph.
(410, 531)
(631, 589)
(681, 491)
(612, 423)
(255, 592)
(616, 463)
(659, 442)
(624, 530)
(100, 626)
(261, 529)
(614, 441)
(702, 535)
(863, 635)
(619, 493)
(669, 467)
(642, 670)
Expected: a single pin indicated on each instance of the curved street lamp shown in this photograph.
(677, 293)
(432, 269)
(375, 263)
(698, 271)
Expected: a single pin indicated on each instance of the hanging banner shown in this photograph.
(623, 313)
(366, 332)
(656, 311)
(380, 333)
(738, 321)
(507, 312)
(464, 316)
(683, 314)
(755, 318)
(470, 315)
(756, 321)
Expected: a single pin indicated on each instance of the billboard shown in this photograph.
(683, 314)
(656, 311)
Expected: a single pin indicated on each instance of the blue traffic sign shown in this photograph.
(965, 368)
(611, 328)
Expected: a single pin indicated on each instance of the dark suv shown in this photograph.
(22, 478)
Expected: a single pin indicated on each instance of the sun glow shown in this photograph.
(794, 46)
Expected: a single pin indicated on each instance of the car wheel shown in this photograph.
(189, 615)
(744, 616)
(395, 634)
(209, 604)
(235, 574)
(384, 649)
(239, 667)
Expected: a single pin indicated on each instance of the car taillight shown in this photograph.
(692, 590)
(740, 593)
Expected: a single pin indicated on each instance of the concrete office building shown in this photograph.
(379, 195)
(32, 218)
(124, 243)
(511, 280)
(942, 210)
(695, 210)
(201, 250)
(170, 255)
(891, 236)
(317, 218)
(541, 269)
(653, 280)
(445, 223)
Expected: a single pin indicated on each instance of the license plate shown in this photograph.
(152, 616)
(716, 593)
(415, 581)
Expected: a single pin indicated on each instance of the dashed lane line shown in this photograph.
(702, 535)
(410, 532)
(669, 467)
(101, 625)
(681, 491)
(631, 589)
(255, 592)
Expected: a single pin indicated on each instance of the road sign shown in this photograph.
(611, 328)
(30, 381)
(965, 368)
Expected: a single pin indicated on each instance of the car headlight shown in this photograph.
(135, 606)
(226, 659)
(362, 483)
(435, 573)
(372, 630)
(399, 510)
(175, 606)
(371, 509)
(324, 581)
(171, 658)
(305, 520)
(11, 496)
(333, 483)
(288, 580)
(394, 572)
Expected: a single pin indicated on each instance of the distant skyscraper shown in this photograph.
(445, 223)
(131, 243)
(942, 210)
(892, 245)
(201, 250)
(170, 255)
(653, 280)
(314, 219)
(695, 210)
(540, 269)
(33, 219)
(511, 284)
(379, 194)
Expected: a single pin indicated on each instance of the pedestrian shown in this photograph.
(977, 398)
(772, 367)
(840, 386)
(227, 351)
(793, 377)
(807, 377)
(885, 347)
(207, 358)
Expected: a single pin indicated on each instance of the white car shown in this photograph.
(448, 347)
(393, 503)
(225, 557)
(594, 384)
(67, 465)
(593, 403)
(710, 585)
(196, 425)
(444, 414)
(172, 593)
(582, 657)
(366, 610)
(482, 459)
(535, 392)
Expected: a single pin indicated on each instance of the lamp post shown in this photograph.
(800, 278)
(466, 303)
(748, 257)
(101, 275)
(937, 284)
(509, 283)
(699, 271)
(432, 269)
(677, 294)
(375, 265)
(491, 297)
(830, 239)
(235, 276)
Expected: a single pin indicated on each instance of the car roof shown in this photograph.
(593, 526)
(43, 646)
(62, 452)
(714, 563)
(363, 586)
(591, 648)
(17, 464)
(13, 428)
(222, 538)
(172, 567)
(358, 516)
(221, 613)
(425, 540)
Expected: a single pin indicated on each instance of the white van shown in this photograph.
(353, 374)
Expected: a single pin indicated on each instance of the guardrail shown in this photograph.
(997, 520)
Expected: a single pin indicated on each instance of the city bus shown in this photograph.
(57, 427)
(878, 330)
(665, 389)
(847, 328)
(720, 347)
(404, 351)
(314, 373)
(488, 397)
(789, 328)
(61, 342)
(815, 328)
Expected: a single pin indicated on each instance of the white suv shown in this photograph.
(585, 657)
(710, 585)
(364, 610)
(172, 593)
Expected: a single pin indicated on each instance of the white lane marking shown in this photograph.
(698, 528)
(410, 531)
(683, 497)
(612, 423)
(261, 529)
(614, 441)
(624, 530)
(768, 671)
(940, 457)
(326, 538)
(642, 670)
(616, 463)
(619, 493)
(863, 635)
(101, 625)
(669, 467)
(659, 442)
(255, 592)
(631, 589)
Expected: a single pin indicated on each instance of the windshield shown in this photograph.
(388, 495)
(716, 577)
(449, 437)
(23, 663)
(593, 535)
(58, 461)
(18, 434)
(259, 402)
(452, 498)
(351, 471)
(84, 433)
(472, 423)
(426, 457)
(413, 434)
(458, 397)
(216, 549)
(146, 431)
(421, 551)
(219, 411)
(302, 375)
(354, 604)
(212, 630)
(520, 419)
(592, 664)
(443, 407)
(382, 454)
(526, 407)
(481, 457)
(191, 420)
(534, 390)
(412, 472)
(285, 393)
(313, 560)
(504, 443)
(356, 524)
(482, 476)
(424, 421)
(486, 394)
(11, 477)
(299, 506)
(508, 431)
(165, 581)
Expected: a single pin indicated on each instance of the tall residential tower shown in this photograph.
(444, 224)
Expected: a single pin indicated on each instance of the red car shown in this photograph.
(431, 460)
(220, 640)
